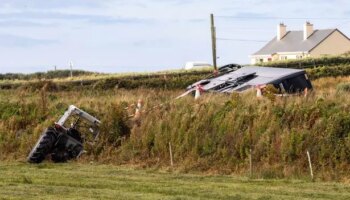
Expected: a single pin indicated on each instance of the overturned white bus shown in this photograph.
(234, 78)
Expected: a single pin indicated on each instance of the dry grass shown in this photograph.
(213, 134)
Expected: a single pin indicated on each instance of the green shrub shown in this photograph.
(309, 62)
(44, 75)
(343, 87)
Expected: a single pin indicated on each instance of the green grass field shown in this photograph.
(85, 181)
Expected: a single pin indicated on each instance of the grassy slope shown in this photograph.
(206, 135)
(77, 181)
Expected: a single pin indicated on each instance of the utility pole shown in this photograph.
(213, 40)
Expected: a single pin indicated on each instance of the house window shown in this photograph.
(260, 60)
(283, 58)
(269, 59)
(299, 56)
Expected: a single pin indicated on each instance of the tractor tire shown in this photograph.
(43, 146)
(59, 156)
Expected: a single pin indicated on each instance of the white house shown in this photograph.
(302, 44)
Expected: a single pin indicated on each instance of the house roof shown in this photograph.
(294, 41)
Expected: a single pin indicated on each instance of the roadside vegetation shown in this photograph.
(45, 75)
(176, 79)
(329, 66)
(212, 135)
(91, 181)
(65, 75)
(172, 79)
(306, 63)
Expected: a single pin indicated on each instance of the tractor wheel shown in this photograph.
(43, 146)
(59, 156)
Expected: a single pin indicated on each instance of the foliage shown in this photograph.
(178, 80)
(306, 63)
(331, 66)
(343, 87)
(215, 133)
(44, 75)
(328, 71)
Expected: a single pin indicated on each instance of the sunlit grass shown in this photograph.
(99, 76)
(91, 181)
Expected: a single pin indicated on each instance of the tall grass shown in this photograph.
(215, 133)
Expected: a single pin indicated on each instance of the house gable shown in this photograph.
(335, 44)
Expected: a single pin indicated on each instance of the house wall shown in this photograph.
(259, 59)
(291, 56)
(279, 56)
(335, 44)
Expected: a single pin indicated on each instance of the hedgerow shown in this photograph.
(309, 62)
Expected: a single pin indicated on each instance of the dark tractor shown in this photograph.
(65, 140)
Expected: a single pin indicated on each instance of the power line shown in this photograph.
(343, 24)
(283, 18)
(240, 40)
(237, 28)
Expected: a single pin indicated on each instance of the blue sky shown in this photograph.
(147, 35)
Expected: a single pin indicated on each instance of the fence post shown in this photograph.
(250, 163)
(310, 164)
(171, 155)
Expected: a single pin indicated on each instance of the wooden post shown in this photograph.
(213, 40)
(250, 163)
(250, 153)
(310, 165)
(171, 155)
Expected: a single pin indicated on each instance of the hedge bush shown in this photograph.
(309, 62)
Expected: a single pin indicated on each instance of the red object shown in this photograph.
(200, 88)
(57, 126)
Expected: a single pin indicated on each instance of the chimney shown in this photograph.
(308, 30)
(281, 31)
